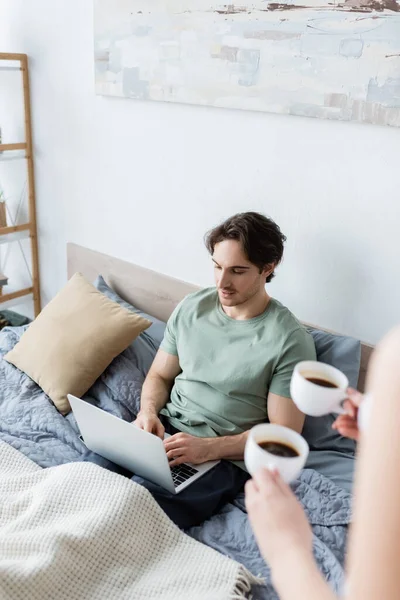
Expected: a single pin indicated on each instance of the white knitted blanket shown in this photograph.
(77, 531)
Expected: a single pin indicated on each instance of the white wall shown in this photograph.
(143, 181)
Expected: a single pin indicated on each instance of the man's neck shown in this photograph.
(250, 309)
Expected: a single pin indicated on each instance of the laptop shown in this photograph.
(128, 446)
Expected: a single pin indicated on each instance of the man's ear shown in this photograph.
(268, 269)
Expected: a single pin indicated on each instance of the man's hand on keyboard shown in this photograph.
(183, 448)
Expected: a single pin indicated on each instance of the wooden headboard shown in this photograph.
(152, 292)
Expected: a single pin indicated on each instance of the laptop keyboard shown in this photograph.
(182, 473)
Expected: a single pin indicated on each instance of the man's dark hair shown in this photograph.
(261, 238)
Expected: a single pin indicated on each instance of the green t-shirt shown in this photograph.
(229, 366)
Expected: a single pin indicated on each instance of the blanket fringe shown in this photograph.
(244, 581)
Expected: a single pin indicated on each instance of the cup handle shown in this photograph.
(339, 409)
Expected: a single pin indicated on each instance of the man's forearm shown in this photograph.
(155, 394)
(230, 447)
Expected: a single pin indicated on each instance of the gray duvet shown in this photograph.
(31, 424)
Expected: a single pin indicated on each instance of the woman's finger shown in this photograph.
(355, 396)
(281, 485)
(250, 488)
(343, 420)
(348, 430)
(266, 482)
(338, 421)
(351, 432)
(350, 409)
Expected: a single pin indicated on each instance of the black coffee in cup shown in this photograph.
(279, 448)
(322, 382)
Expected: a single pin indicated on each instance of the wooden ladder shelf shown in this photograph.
(29, 229)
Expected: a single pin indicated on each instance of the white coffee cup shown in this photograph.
(256, 457)
(313, 399)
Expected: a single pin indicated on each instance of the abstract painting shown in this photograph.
(319, 58)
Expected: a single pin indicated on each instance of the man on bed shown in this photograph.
(224, 365)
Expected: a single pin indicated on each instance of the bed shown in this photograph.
(32, 426)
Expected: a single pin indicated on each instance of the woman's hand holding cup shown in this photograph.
(276, 448)
(347, 424)
(319, 389)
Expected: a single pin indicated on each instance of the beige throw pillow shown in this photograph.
(73, 340)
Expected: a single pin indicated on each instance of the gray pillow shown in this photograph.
(143, 349)
(344, 353)
(341, 351)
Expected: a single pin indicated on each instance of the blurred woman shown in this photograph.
(281, 527)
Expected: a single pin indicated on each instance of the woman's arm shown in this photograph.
(374, 551)
(284, 537)
(301, 579)
(281, 527)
